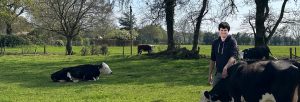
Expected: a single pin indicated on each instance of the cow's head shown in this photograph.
(104, 69)
(260, 52)
(219, 92)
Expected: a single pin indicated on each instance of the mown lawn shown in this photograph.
(135, 79)
(26, 78)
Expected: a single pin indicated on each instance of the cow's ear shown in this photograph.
(100, 65)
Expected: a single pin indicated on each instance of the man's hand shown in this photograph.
(210, 79)
(224, 73)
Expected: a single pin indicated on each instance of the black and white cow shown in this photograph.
(82, 72)
(145, 47)
(280, 78)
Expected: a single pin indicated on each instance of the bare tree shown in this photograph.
(201, 15)
(262, 13)
(69, 17)
(295, 31)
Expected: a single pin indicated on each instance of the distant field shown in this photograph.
(278, 51)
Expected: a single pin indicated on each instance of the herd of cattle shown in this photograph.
(257, 76)
(248, 80)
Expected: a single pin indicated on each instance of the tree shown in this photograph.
(152, 34)
(125, 21)
(262, 13)
(201, 15)
(11, 10)
(169, 10)
(69, 17)
(295, 31)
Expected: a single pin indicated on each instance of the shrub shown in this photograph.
(59, 43)
(104, 49)
(84, 51)
(95, 50)
(12, 41)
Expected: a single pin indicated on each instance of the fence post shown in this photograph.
(291, 53)
(295, 53)
(1, 51)
(45, 49)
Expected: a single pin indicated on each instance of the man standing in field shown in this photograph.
(223, 54)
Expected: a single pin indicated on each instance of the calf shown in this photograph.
(82, 72)
(145, 47)
(251, 81)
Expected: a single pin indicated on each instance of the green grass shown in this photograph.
(135, 79)
(26, 78)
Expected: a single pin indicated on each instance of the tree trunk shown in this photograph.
(69, 46)
(259, 22)
(198, 25)
(169, 9)
(8, 28)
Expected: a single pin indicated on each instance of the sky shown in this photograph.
(235, 21)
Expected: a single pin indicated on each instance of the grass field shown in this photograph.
(26, 78)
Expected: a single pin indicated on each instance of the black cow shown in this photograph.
(82, 72)
(145, 47)
(257, 53)
(279, 78)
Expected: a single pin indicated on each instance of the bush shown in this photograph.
(95, 50)
(104, 49)
(84, 51)
(59, 43)
(86, 42)
(12, 41)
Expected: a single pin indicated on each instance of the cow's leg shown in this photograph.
(285, 93)
(237, 98)
(298, 93)
(252, 95)
(236, 94)
(295, 96)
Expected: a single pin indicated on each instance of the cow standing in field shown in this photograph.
(279, 78)
(145, 47)
(82, 72)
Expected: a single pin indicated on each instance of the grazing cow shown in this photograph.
(279, 78)
(82, 72)
(145, 47)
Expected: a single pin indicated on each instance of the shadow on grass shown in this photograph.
(127, 70)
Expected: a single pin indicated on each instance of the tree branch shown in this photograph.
(278, 21)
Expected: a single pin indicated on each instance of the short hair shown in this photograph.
(224, 25)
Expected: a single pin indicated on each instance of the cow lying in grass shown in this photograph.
(280, 78)
(82, 72)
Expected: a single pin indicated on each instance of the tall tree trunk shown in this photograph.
(169, 9)
(198, 25)
(69, 46)
(261, 15)
(8, 28)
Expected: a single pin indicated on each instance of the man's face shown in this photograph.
(223, 32)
